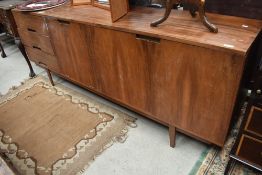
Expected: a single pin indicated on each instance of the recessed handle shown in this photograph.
(63, 21)
(148, 38)
(35, 47)
(31, 30)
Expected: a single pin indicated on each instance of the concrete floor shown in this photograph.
(145, 152)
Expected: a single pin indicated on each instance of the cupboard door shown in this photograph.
(72, 45)
(121, 67)
(194, 88)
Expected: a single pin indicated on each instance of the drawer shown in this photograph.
(254, 121)
(250, 149)
(30, 23)
(32, 39)
(42, 59)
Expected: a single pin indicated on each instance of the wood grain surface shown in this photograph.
(30, 23)
(243, 8)
(43, 59)
(235, 34)
(72, 47)
(178, 74)
(37, 41)
(118, 9)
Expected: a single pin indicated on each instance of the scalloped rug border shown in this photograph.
(120, 136)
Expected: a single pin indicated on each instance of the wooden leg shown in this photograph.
(3, 55)
(192, 10)
(172, 136)
(169, 6)
(50, 77)
(22, 50)
(211, 27)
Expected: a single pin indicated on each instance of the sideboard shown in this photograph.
(178, 74)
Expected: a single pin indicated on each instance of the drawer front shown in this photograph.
(254, 121)
(40, 42)
(250, 149)
(43, 59)
(31, 23)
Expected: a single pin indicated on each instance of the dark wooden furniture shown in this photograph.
(176, 75)
(8, 22)
(242, 8)
(248, 146)
(3, 54)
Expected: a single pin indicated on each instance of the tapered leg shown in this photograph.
(169, 6)
(211, 27)
(22, 50)
(172, 136)
(3, 55)
(50, 77)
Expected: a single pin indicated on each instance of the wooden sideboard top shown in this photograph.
(235, 34)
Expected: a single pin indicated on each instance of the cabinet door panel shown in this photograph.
(194, 88)
(121, 67)
(72, 44)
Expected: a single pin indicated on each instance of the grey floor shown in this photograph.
(145, 152)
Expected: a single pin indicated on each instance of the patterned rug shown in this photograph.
(55, 130)
(213, 161)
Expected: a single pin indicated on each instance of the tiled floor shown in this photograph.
(145, 152)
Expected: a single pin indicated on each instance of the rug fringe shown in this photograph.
(14, 87)
(120, 138)
(23, 82)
